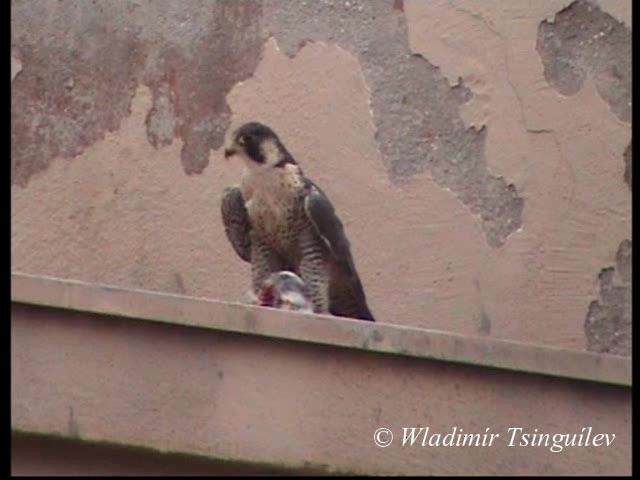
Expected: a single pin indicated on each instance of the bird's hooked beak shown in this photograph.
(229, 152)
(232, 149)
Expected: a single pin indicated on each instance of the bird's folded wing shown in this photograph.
(236, 222)
(327, 224)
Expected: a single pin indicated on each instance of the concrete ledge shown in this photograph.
(277, 403)
(319, 329)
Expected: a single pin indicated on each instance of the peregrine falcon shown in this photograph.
(277, 219)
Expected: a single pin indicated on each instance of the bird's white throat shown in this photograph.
(271, 185)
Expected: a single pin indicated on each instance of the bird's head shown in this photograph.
(258, 146)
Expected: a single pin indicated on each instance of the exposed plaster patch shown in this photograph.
(562, 153)
(59, 40)
(415, 110)
(608, 322)
(583, 40)
(161, 121)
(85, 61)
(490, 48)
(623, 261)
(210, 48)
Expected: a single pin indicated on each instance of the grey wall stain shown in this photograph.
(82, 62)
(72, 424)
(608, 323)
(583, 40)
(415, 111)
(179, 282)
(485, 324)
(628, 164)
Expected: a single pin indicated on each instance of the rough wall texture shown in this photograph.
(479, 154)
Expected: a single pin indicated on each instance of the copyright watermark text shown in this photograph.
(510, 436)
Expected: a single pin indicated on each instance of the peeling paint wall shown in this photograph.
(583, 40)
(478, 153)
(87, 58)
(608, 323)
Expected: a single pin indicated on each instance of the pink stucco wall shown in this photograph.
(118, 187)
(478, 154)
